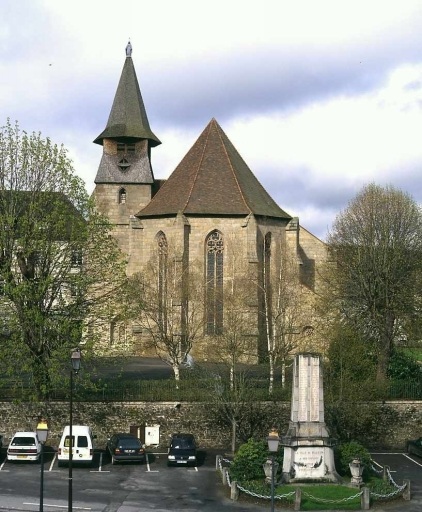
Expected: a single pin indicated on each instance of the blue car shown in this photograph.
(182, 450)
(125, 448)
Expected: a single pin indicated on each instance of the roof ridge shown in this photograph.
(197, 169)
(232, 168)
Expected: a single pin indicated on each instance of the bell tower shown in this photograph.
(125, 179)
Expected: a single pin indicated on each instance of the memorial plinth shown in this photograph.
(308, 448)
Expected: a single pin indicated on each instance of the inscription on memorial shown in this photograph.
(303, 369)
(309, 462)
(314, 390)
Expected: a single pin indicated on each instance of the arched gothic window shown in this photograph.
(214, 246)
(162, 249)
(122, 196)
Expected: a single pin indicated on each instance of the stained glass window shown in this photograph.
(214, 284)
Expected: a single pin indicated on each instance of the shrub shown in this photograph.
(346, 452)
(403, 366)
(248, 461)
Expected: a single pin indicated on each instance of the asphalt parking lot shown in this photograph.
(134, 487)
(126, 487)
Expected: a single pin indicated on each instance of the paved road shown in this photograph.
(403, 467)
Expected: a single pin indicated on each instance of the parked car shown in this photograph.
(82, 445)
(124, 448)
(182, 450)
(415, 447)
(24, 446)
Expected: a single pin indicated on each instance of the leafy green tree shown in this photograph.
(59, 267)
(375, 283)
(404, 367)
(349, 373)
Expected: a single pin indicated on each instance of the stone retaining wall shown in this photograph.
(395, 422)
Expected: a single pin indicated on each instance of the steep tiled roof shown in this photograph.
(128, 117)
(213, 179)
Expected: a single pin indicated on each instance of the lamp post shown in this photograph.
(76, 366)
(272, 441)
(42, 433)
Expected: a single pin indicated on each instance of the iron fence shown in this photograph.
(192, 390)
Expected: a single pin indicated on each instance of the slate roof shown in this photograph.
(128, 118)
(139, 170)
(212, 179)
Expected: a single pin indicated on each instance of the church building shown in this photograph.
(211, 213)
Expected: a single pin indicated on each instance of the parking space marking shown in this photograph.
(56, 506)
(413, 460)
(100, 466)
(387, 453)
(52, 462)
(149, 470)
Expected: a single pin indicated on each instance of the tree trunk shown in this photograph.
(385, 347)
(271, 382)
(176, 371)
(233, 436)
(283, 373)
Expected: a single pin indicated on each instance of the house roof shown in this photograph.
(128, 118)
(213, 179)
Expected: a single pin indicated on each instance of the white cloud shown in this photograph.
(318, 97)
(353, 137)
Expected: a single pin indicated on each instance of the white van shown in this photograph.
(83, 445)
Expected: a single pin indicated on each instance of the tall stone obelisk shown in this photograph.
(308, 448)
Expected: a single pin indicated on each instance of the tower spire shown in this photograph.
(127, 139)
(128, 118)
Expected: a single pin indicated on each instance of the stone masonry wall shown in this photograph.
(396, 422)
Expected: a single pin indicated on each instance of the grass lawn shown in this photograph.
(337, 493)
(310, 495)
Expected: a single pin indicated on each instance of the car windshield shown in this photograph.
(128, 442)
(182, 443)
(23, 441)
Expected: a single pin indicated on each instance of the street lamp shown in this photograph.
(42, 433)
(76, 366)
(272, 441)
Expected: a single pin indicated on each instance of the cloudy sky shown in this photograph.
(319, 97)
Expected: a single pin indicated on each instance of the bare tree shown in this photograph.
(236, 343)
(375, 284)
(58, 263)
(285, 308)
(166, 298)
(235, 403)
